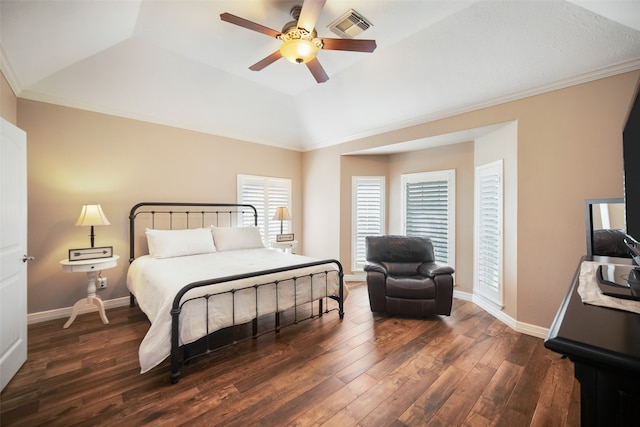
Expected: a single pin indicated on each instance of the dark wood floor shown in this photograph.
(366, 370)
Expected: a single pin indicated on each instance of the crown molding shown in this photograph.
(9, 74)
(609, 71)
(597, 74)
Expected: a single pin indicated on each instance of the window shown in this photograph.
(488, 225)
(266, 194)
(367, 215)
(428, 202)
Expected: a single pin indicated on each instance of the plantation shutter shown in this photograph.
(266, 194)
(253, 194)
(488, 257)
(428, 212)
(368, 215)
(428, 203)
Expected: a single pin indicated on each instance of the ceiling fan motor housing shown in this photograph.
(295, 12)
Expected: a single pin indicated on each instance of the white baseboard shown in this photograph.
(495, 311)
(466, 296)
(525, 328)
(533, 330)
(60, 313)
(355, 277)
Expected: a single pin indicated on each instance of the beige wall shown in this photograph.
(321, 203)
(8, 101)
(569, 149)
(77, 157)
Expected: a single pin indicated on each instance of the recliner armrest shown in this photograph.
(432, 269)
(375, 266)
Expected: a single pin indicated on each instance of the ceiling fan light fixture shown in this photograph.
(299, 46)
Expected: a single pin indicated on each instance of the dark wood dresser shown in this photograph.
(604, 345)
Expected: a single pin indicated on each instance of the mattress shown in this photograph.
(155, 282)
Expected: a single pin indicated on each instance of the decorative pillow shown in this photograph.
(233, 238)
(174, 243)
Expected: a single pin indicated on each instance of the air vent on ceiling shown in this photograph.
(349, 24)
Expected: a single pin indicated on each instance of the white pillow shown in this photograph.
(233, 238)
(174, 243)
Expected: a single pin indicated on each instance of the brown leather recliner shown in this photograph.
(403, 277)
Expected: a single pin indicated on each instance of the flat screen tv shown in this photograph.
(631, 156)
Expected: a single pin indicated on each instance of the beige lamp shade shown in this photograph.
(91, 215)
(282, 214)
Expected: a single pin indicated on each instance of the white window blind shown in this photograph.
(266, 194)
(429, 210)
(367, 215)
(488, 241)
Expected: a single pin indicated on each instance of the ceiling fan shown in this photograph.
(300, 43)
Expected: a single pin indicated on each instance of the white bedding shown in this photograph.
(155, 282)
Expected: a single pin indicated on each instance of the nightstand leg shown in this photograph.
(91, 299)
(74, 312)
(98, 303)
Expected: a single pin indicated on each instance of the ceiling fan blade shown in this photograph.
(354, 45)
(309, 14)
(245, 23)
(318, 72)
(266, 61)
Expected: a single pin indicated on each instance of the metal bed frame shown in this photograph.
(192, 215)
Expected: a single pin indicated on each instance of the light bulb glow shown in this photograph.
(298, 51)
(299, 46)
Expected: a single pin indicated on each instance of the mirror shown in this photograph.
(606, 227)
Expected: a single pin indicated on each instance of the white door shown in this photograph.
(13, 250)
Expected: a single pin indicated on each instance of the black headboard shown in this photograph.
(181, 215)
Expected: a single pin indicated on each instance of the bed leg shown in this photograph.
(176, 364)
(341, 294)
(176, 357)
(132, 300)
(277, 322)
(320, 307)
(254, 327)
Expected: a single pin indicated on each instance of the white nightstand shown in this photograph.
(89, 266)
(285, 246)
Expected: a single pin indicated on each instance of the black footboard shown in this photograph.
(177, 352)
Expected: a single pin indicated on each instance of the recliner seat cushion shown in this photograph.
(410, 287)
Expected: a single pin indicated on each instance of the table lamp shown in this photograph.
(92, 215)
(282, 214)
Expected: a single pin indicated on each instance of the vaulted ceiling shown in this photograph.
(175, 62)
